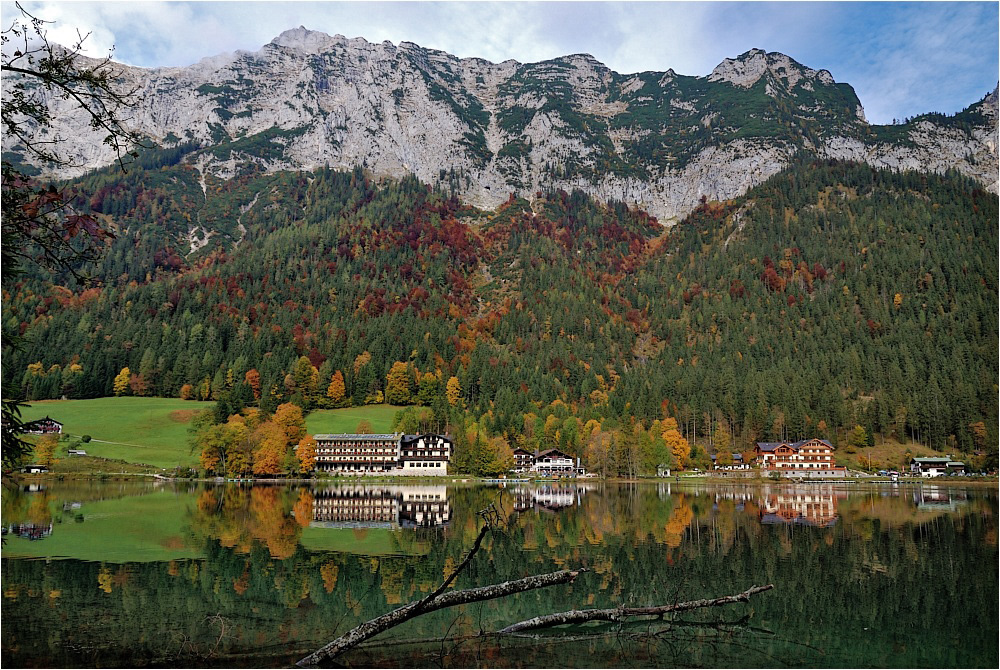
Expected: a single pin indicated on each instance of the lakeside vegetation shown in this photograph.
(558, 323)
(159, 434)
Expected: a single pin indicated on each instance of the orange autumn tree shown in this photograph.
(337, 391)
(678, 446)
(269, 457)
(252, 379)
(289, 418)
(305, 452)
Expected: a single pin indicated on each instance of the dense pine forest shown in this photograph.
(833, 296)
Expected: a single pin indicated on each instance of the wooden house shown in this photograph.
(935, 467)
(810, 458)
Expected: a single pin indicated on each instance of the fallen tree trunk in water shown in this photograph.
(450, 599)
(621, 613)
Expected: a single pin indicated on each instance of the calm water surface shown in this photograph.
(134, 574)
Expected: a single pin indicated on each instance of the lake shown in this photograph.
(191, 574)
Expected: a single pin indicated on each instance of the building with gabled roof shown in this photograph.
(383, 453)
(935, 467)
(810, 458)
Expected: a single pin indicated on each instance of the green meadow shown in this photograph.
(154, 431)
(139, 430)
(346, 420)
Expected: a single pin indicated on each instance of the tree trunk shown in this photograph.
(620, 613)
(450, 599)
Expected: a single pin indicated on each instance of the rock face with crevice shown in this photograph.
(658, 140)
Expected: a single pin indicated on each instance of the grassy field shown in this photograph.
(154, 431)
(346, 420)
(139, 430)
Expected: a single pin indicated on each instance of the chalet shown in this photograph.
(523, 459)
(935, 467)
(737, 463)
(553, 462)
(425, 454)
(548, 463)
(35, 469)
(387, 453)
(43, 426)
(807, 458)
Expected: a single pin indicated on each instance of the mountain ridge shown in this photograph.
(657, 140)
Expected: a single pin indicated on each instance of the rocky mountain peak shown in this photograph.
(309, 41)
(658, 140)
(746, 70)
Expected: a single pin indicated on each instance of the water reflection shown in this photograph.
(939, 497)
(865, 576)
(381, 507)
(548, 497)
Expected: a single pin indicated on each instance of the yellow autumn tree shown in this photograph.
(398, 384)
(453, 391)
(676, 443)
(45, 450)
(121, 383)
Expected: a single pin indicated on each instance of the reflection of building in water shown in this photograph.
(425, 507)
(809, 505)
(939, 497)
(547, 497)
(28, 530)
(381, 507)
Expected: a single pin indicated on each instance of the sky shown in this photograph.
(902, 58)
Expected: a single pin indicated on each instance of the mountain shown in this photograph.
(657, 140)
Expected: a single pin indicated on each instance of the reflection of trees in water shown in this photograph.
(904, 580)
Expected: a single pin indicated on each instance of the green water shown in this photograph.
(136, 575)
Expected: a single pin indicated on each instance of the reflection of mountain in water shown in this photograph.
(939, 497)
(547, 497)
(381, 507)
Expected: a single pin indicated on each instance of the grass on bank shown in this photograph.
(346, 420)
(154, 431)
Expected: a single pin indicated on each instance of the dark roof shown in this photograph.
(771, 446)
(811, 439)
(414, 438)
(550, 452)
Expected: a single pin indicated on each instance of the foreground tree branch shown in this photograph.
(450, 599)
(621, 613)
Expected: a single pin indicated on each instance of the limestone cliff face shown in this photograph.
(658, 140)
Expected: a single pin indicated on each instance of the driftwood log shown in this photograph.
(439, 599)
(450, 599)
(622, 613)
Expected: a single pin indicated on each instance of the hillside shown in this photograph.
(831, 295)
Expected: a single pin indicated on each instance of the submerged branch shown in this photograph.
(450, 599)
(621, 613)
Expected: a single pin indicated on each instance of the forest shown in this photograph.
(832, 301)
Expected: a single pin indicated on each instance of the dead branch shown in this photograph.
(449, 599)
(622, 613)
